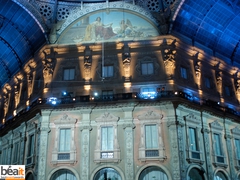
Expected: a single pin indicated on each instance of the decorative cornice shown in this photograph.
(150, 115)
(65, 119)
(215, 125)
(236, 131)
(107, 117)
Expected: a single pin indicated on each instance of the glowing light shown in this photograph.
(95, 94)
(27, 103)
(52, 100)
(14, 112)
(87, 87)
(127, 85)
(74, 99)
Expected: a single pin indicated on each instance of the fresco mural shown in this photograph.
(110, 26)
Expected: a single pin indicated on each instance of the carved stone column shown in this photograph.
(43, 126)
(129, 162)
(85, 129)
(129, 145)
(228, 137)
(206, 141)
(176, 143)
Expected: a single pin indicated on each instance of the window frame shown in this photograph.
(236, 135)
(151, 118)
(107, 71)
(192, 122)
(184, 72)
(58, 157)
(217, 129)
(227, 91)
(69, 77)
(107, 120)
(146, 68)
(207, 82)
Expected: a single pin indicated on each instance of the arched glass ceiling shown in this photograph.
(20, 37)
(213, 23)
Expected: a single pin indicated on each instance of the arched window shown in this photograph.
(63, 174)
(153, 172)
(220, 176)
(107, 174)
(29, 176)
(195, 174)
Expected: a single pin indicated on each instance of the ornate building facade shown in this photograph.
(114, 96)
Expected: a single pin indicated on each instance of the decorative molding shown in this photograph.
(236, 131)
(65, 119)
(216, 125)
(150, 115)
(107, 117)
(191, 117)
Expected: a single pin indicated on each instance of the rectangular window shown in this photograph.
(30, 145)
(227, 91)
(68, 74)
(218, 148)
(64, 140)
(194, 143)
(184, 73)
(107, 71)
(107, 144)
(30, 150)
(64, 144)
(151, 141)
(147, 68)
(207, 82)
(237, 146)
(4, 156)
(16, 152)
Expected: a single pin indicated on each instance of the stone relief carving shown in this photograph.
(219, 82)
(48, 68)
(6, 98)
(129, 153)
(238, 89)
(163, 19)
(17, 88)
(29, 68)
(149, 115)
(216, 125)
(198, 74)
(236, 131)
(126, 65)
(169, 62)
(107, 117)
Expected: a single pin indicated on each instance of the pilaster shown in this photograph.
(43, 127)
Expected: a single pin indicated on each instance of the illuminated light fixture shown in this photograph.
(3, 121)
(27, 103)
(95, 94)
(127, 85)
(14, 112)
(176, 93)
(52, 100)
(74, 99)
(87, 87)
(92, 98)
(39, 100)
(149, 95)
(64, 93)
